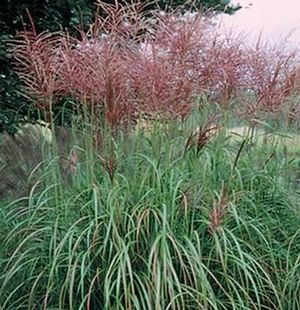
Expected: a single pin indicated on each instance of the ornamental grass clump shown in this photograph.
(178, 218)
(135, 61)
(37, 65)
(272, 77)
(27, 158)
(156, 227)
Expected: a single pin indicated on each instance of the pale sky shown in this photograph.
(275, 18)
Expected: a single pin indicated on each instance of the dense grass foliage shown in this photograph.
(131, 63)
(148, 223)
(151, 196)
(52, 16)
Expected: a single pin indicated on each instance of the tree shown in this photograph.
(218, 6)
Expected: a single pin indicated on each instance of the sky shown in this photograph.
(276, 19)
